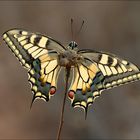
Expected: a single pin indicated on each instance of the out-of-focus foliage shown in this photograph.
(109, 26)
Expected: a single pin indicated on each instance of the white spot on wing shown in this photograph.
(114, 71)
(23, 42)
(119, 69)
(21, 38)
(108, 70)
(102, 69)
(104, 59)
(114, 62)
(27, 46)
(43, 42)
(24, 33)
(124, 62)
(32, 38)
(32, 49)
(4, 36)
(123, 68)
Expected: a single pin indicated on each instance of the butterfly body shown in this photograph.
(91, 71)
(70, 57)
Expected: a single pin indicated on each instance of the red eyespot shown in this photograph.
(52, 90)
(71, 94)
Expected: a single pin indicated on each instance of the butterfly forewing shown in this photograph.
(28, 46)
(116, 71)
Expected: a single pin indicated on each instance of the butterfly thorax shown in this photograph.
(69, 58)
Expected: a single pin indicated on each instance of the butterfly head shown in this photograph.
(73, 45)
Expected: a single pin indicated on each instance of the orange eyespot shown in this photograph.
(71, 94)
(52, 90)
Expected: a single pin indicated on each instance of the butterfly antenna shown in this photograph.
(80, 28)
(72, 29)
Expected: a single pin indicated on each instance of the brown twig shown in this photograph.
(63, 106)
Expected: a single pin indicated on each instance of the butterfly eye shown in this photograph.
(72, 45)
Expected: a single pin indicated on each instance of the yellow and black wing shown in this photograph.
(86, 84)
(28, 46)
(39, 54)
(116, 70)
(43, 76)
(99, 71)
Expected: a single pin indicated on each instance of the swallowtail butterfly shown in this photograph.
(91, 71)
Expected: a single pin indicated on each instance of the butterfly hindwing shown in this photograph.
(43, 77)
(86, 84)
(28, 46)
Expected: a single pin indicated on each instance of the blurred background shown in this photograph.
(109, 26)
